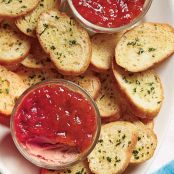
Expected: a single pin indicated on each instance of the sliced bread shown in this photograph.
(108, 98)
(80, 168)
(37, 58)
(88, 81)
(143, 92)
(103, 50)
(32, 76)
(67, 43)
(144, 46)
(137, 121)
(27, 24)
(14, 47)
(145, 146)
(10, 89)
(113, 151)
(16, 8)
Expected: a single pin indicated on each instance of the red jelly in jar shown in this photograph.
(109, 13)
(55, 123)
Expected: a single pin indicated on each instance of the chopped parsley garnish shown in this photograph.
(45, 27)
(53, 47)
(151, 49)
(141, 51)
(109, 159)
(72, 42)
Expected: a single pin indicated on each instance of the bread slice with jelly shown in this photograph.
(143, 92)
(27, 24)
(114, 148)
(145, 46)
(16, 8)
(66, 42)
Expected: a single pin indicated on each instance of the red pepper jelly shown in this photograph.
(53, 119)
(109, 13)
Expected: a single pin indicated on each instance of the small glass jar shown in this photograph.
(69, 7)
(36, 159)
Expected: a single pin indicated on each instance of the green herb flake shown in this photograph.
(141, 51)
(45, 27)
(53, 47)
(137, 82)
(69, 171)
(139, 138)
(151, 49)
(135, 90)
(7, 91)
(102, 97)
(29, 30)
(72, 42)
(109, 159)
(135, 152)
(24, 6)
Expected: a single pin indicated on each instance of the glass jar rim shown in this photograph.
(105, 29)
(69, 85)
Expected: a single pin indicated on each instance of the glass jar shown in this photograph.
(38, 159)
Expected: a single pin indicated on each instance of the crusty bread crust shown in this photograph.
(132, 106)
(145, 46)
(77, 57)
(15, 9)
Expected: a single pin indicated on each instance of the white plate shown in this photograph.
(11, 162)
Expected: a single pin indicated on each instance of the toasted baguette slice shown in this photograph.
(14, 47)
(67, 43)
(108, 99)
(32, 76)
(10, 89)
(144, 46)
(103, 50)
(80, 168)
(137, 121)
(113, 151)
(27, 24)
(87, 81)
(142, 91)
(145, 146)
(13, 8)
(37, 58)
